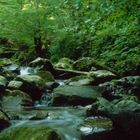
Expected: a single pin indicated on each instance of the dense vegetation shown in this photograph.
(69, 69)
(107, 30)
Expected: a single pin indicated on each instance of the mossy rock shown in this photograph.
(123, 112)
(75, 95)
(30, 133)
(129, 85)
(46, 76)
(34, 85)
(64, 63)
(15, 100)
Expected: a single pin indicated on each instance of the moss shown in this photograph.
(30, 133)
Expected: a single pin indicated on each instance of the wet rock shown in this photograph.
(64, 63)
(15, 100)
(125, 113)
(81, 80)
(97, 128)
(102, 76)
(34, 85)
(125, 86)
(88, 64)
(30, 133)
(43, 64)
(4, 120)
(74, 95)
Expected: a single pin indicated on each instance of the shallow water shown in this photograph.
(64, 120)
(69, 122)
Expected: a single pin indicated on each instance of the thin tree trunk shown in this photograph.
(38, 46)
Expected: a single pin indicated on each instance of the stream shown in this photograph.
(63, 119)
(70, 122)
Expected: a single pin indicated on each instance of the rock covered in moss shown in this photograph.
(102, 76)
(125, 86)
(30, 133)
(64, 63)
(16, 100)
(32, 84)
(125, 113)
(46, 76)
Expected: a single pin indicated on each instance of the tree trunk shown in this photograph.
(38, 46)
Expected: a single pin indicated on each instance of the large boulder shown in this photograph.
(74, 95)
(125, 113)
(125, 86)
(4, 120)
(102, 76)
(34, 85)
(16, 100)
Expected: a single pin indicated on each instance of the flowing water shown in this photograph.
(27, 70)
(67, 121)
(64, 120)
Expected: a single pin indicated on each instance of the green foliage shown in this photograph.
(107, 30)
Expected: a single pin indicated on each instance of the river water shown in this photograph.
(66, 121)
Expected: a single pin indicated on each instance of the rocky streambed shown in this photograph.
(79, 100)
